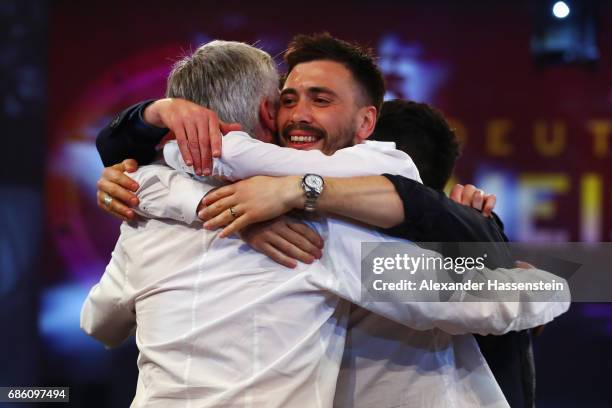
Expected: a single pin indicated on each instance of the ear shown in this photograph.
(366, 117)
(267, 115)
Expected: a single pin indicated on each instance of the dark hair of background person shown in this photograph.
(357, 59)
(421, 131)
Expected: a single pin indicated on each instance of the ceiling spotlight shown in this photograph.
(561, 9)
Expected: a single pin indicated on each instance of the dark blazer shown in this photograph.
(429, 217)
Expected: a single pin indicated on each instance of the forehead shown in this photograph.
(325, 74)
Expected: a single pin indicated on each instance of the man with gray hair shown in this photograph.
(155, 275)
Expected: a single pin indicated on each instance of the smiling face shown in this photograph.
(319, 107)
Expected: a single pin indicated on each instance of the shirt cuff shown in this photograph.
(190, 198)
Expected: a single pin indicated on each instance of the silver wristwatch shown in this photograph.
(312, 184)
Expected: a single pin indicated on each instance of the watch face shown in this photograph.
(313, 181)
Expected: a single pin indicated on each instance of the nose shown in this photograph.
(301, 112)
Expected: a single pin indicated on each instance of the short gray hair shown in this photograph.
(230, 78)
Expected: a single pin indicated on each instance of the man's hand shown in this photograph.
(198, 130)
(249, 201)
(470, 196)
(285, 241)
(115, 190)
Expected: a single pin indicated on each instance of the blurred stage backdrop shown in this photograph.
(529, 93)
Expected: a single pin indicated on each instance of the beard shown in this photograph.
(339, 140)
(344, 138)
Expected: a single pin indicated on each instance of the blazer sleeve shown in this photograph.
(430, 216)
(129, 137)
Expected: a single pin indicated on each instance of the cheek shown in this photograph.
(327, 120)
(281, 118)
(335, 122)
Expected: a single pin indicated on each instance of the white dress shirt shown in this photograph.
(219, 324)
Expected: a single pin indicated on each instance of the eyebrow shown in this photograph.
(319, 90)
(312, 90)
(286, 91)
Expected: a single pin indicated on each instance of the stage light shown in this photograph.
(564, 36)
(561, 9)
